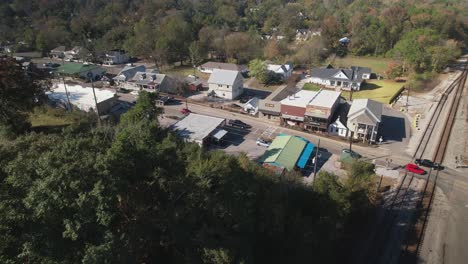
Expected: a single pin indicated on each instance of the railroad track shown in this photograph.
(399, 202)
(412, 245)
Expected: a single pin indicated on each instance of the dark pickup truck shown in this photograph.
(238, 124)
(428, 163)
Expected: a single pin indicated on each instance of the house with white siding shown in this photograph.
(345, 79)
(364, 118)
(225, 84)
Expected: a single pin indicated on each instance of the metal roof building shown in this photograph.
(199, 128)
(288, 152)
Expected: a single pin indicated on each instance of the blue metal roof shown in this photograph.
(305, 155)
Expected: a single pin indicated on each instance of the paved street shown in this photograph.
(262, 127)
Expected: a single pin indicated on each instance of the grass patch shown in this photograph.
(55, 117)
(377, 65)
(378, 90)
(311, 87)
(255, 84)
(184, 71)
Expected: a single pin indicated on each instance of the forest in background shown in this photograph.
(422, 36)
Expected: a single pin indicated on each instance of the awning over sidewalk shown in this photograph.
(305, 155)
(219, 134)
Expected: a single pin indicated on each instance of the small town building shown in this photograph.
(251, 106)
(284, 71)
(139, 78)
(364, 118)
(288, 152)
(58, 52)
(196, 84)
(293, 107)
(225, 84)
(338, 127)
(83, 97)
(320, 110)
(115, 57)
(210, 66)
(127, 73)
(73, 54)
(150, 81)
(200, 129)
(81, 70)
(345, 79)
(270, 107)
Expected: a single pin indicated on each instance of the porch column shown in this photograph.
(365, 137)
(372, 135)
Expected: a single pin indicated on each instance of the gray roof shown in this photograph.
(59, 49)
(282, 92)
(353, 74)
(224, 77)
(370, 109)
(148, 77)
(128, 72)
(196, 127)
(325, 98)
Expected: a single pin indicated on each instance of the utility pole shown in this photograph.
(316, 161)
(407, 99)
(90, 76)
(351, 140)
(380, 182)
(66, 92)
(351, 95)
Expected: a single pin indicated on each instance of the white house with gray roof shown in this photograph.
(282, 70)
(127, 74)
(139, 78)
(364, 118)
(225, 83)
(345, 79)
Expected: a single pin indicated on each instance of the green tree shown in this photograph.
(258, 69)
(20, 91)
(196, 56)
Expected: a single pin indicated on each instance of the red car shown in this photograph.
(185, 111)
(414, 168)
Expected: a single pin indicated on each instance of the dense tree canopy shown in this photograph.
(161, 30)
(20, 90)
(134, 193)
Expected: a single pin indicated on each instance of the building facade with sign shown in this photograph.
(320, 110)
(270, 107)
(294, 106)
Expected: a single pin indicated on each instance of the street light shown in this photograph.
(90, 76)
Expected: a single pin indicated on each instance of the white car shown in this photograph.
(261, 142)
(135, 93)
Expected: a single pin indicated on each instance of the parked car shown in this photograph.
(352, 153)
(428, 163)
(185, 111)
(135, 92)
(414, 169)
(239, 124)
(123, 90)
(262, 142)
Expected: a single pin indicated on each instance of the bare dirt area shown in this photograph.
(433, 252)
(424, 105)
(387, 232)
(456, 156)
